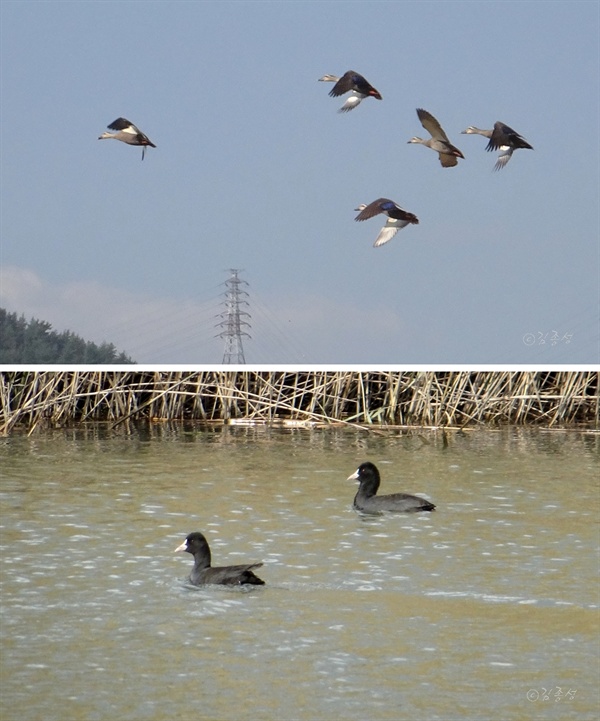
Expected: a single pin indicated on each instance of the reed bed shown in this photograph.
(399, 398)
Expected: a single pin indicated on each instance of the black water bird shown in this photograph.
(368, 501)
(203, 572)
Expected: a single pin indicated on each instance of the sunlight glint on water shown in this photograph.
(458, 614)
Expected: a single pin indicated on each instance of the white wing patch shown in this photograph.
(352, 102)
(389, 230)
(505, 155)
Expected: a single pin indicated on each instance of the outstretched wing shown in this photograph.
(381, 205)
(505, 135)
(125, 125)
(431, 125)
(352, 101)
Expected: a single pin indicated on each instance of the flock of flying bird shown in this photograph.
(502, 138)
(366, 500)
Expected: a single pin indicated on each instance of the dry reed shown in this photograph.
(400, 398)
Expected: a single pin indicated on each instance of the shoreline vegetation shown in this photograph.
(35, 342)
(368, 399)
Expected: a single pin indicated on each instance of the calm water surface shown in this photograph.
(485, 609)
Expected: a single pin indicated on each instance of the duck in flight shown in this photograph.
(353, 83)
(439, 142)
(128, 133)
(397, 218)
(502, 138)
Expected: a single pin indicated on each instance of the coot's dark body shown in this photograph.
(368, 501)
(203, 572)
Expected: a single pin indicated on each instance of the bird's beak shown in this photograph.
(353, 477)
(183, 547)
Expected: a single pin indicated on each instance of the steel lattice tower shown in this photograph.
(233, 322)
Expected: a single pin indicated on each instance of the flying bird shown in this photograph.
(502, 138)
(128, 133)
(353, 83)
(439, 142)
(397, 218)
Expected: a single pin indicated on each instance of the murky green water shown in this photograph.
(477, 611)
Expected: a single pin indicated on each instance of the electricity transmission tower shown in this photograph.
(233, 322)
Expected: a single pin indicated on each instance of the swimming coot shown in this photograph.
(366, 499)
(203, 572)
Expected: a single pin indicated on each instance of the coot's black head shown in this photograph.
(197, 545)
(368, 477)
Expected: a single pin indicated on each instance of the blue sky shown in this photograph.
(255, 169)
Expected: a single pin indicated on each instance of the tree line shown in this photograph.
(34, 342)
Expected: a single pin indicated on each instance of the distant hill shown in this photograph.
(34, 341)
